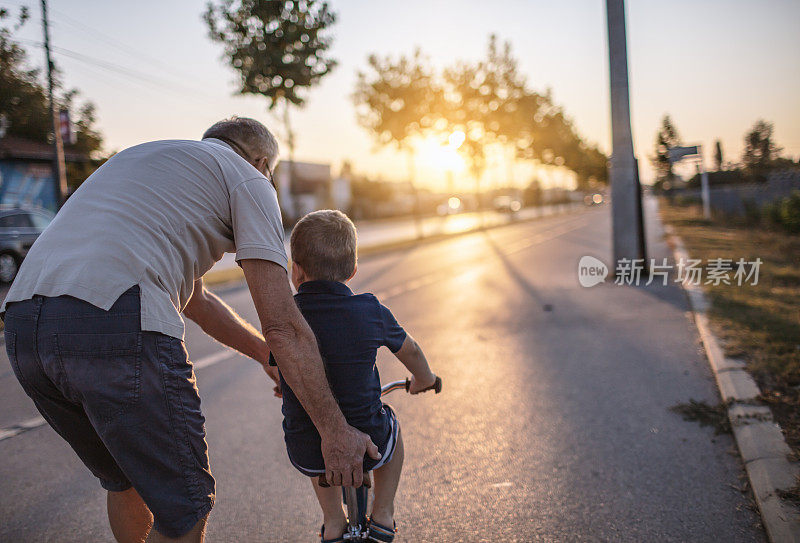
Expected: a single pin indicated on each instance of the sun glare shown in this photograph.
(456, 139)
(444, 158)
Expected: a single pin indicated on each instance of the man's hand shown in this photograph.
(343, 452)
(272, 372)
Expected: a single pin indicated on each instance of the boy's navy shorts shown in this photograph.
(305, 451)
(124, 399)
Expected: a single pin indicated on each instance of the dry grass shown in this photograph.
(757, 323)
(715, 416)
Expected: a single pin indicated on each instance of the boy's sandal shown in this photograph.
(378, 532)
(322, 539)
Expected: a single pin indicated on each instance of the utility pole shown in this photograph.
(676, 154)
(59, 169)
(626, 203)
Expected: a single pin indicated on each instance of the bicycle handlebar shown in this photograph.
(397, 385)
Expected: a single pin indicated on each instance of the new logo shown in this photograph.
(591, 271)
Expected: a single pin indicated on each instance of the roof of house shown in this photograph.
(13, 147)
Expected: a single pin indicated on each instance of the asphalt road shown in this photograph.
(553, 424)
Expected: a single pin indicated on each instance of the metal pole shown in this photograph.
(625, 200)
(59, 168)
(415, 192)
(704, 192)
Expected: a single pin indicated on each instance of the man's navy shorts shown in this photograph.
(305, 450)
(124, 399)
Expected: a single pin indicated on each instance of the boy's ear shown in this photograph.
(297, 271)
(355, 269)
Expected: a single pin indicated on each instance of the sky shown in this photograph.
(716, 66)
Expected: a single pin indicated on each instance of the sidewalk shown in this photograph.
(374, 233)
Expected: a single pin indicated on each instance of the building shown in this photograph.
(26, 173)
(303, 187)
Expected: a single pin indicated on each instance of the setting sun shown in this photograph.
(443, 158)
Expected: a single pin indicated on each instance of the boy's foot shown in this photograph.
(339, 539)
(379, 532)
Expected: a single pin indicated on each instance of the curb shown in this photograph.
(760, 441)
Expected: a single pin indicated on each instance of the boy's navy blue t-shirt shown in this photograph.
(350, 328)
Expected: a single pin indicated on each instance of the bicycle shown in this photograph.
(356, 499)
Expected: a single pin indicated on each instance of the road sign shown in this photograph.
(679, 153)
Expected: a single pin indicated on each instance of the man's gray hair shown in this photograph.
(253, 137)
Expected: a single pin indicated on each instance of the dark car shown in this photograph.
(19, 228)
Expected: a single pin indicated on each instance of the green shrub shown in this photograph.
(790, 212)
(771, 213)
(683, 200)
(752, 213)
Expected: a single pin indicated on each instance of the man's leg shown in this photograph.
(195, 535)
(129, 517)
(131, 521)
(387, 477)
(330, 500)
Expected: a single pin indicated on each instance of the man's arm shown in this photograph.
(295, 348)
(220, 321)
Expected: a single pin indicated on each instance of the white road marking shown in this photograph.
(21, 427)
(212, 359)
(425, 280)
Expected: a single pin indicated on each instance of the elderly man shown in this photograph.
(95, 335)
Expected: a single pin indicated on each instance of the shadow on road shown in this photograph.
(516, 275)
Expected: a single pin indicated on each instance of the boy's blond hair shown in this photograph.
(323, 243)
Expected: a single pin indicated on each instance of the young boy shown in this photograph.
(349, 328)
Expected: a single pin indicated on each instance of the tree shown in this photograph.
(24, 103)
(492, 104)
(552, 138)
(487, 100)
(760, 151)
(666, 137)
(398, 100)
(279, 48)
(484, 100)
(718, 157)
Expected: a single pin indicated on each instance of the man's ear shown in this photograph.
(262, 165)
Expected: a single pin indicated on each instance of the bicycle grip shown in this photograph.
(436, 386)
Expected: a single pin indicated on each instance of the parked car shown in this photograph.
(19, 228)
(507, 204)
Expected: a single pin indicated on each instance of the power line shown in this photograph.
(169, 84)
(117, 44)
(135, 75)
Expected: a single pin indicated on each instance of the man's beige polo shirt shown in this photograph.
(157, 215)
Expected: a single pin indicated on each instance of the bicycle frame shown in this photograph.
(357, 499)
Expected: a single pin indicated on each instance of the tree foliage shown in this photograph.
(760, 151)
(397, 98)
(24, 103)
(718, 156)
(484, 103)
(278, 48)
(666, 137)
(488, 100)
